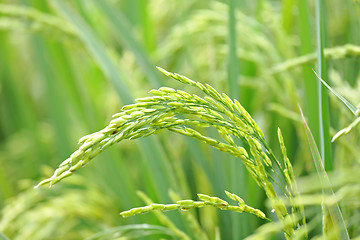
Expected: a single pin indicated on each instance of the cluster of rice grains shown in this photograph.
(205, 200)
(181, 112)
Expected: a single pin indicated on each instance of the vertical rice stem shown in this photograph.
(237, 175)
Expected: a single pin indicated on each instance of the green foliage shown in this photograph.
(69, 65)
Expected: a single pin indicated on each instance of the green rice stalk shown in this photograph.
(306, 47)
(339, 52)
(162, 218)
(191, 219)
(190, 204)
(324, 143)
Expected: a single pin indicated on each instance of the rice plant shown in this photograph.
(201, 166)
(181, 112)
(178, 111)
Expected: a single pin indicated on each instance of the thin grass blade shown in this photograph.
(123, 32)
(157, 164)
(324, 180)
(3, 237)
(237, 174)
(346, 102)
(310, 86)
(325, 148)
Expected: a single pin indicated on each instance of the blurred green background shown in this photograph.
(67, 66)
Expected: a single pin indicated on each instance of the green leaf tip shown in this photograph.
(346, 102)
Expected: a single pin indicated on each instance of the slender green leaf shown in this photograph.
(237, 173)
(346, 102)
(156, 163)
(123, 32)
(96, 48)
(325, 183)
(325, 148)
(310, 86)
(3, 237)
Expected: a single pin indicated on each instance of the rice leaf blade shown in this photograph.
(324, 180)
(351, 107)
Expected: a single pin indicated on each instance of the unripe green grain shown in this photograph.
(199, 99)
(176, 104)
(184, 94)
(115, 124)
(203, 197)
(117, 115)
(212, 92)
(157, 92)
(146, 209)
(157, 206)
(170, 207)
(167, 90)
(148, 110)
(210, 100)
(145, 99)
(218, 201)
(137, 114)
(228, 102)
(126, 214)
(84, 138)
(235, 197)
(94, 153)
(186, 203)
(199, 204)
